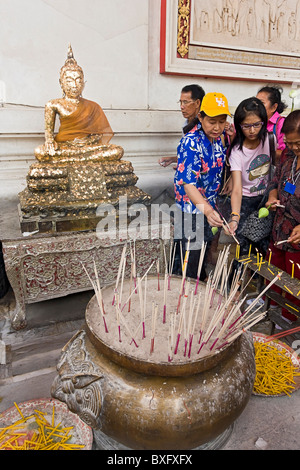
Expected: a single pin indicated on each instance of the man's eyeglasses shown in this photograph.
(291, 145)
(256, 125)
(185, 102)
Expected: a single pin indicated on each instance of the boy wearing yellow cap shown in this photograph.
(201, 155)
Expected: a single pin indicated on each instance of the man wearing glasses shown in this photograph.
(190, 103)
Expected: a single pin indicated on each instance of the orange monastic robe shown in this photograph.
(88, 118)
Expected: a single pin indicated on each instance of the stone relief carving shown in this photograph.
(258, 24)
(78, 382)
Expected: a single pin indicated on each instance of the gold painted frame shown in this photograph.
(181, 54)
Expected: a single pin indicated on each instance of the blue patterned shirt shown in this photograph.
(200, 162)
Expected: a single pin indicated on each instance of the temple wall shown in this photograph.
(117, 43)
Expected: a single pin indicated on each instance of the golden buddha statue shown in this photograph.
(78, 168)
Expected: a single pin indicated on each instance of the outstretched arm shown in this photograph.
(198, 200)
(50, 115)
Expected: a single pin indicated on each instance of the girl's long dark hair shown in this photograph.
(248, 106)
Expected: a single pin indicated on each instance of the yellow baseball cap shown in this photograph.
(215, 104)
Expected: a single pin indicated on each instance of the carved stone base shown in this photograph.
(44, 267)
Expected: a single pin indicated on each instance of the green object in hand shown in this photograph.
(214, 230)
(263, 212)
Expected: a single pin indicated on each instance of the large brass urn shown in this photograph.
(151, 404)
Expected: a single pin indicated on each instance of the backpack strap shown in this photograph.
(272, 147)
(275, 125)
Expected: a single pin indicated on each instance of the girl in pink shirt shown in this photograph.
(271, 98)
(250, 160)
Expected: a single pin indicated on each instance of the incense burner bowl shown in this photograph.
(143, 405)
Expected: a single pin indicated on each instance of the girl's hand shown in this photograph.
(214, 219)
(233, 225)
(295, 235)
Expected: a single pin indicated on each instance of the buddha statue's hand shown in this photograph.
(51, 147)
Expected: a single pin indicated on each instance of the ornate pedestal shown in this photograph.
(48, 266)
(64, 195)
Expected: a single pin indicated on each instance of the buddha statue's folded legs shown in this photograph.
(81, 150)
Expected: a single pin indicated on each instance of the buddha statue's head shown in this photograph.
(71, 77)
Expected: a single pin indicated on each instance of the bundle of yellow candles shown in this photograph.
(275, 371)
(37, 432)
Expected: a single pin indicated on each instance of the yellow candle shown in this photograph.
(270, 257)
(250, 250)
(288, 305)
(293, 268)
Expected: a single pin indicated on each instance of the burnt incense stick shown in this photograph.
(165, 258)
(165, 297)
(134, 290)
(172, 264)
(117, 306)
(127, 328)
(200, 264)
(139, 288)
(123, 275)
(184, 269)
(134, 267)
(99, 296)
(120, 270)
(97, 290)
(153, 326)
(194, 324)
(145, 308)
(181, 323)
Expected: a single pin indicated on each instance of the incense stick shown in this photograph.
(97, 290)
(229, 229)
(154, 317)
(134, 290)
(280, 243)
(200, 264)
(119, 271)
(282, 334)
(165, 297)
